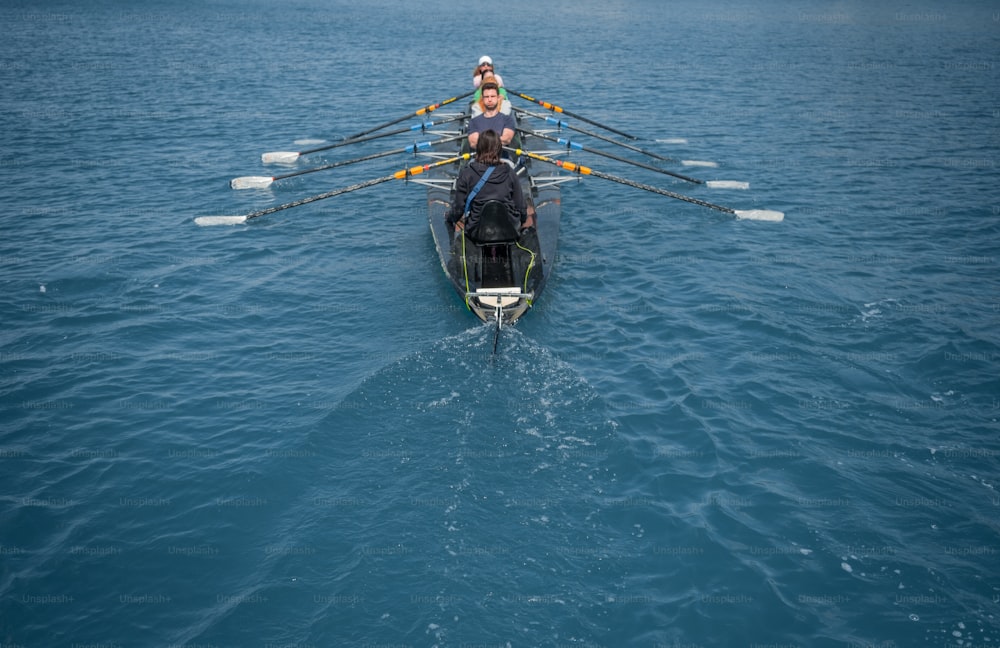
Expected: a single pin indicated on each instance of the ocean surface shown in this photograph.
(708, 432)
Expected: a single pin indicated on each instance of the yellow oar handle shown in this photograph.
(578, 168)
(402, 174)
(433, 107)
(543, 104)
(422, 111)
(558, 109)
(569, 166)
(398, 175)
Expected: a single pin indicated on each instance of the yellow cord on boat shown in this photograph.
(465, 270)
(531, 264)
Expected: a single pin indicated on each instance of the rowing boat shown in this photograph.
(499, 275)
(502, 274)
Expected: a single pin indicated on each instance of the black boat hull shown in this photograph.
(497, 280)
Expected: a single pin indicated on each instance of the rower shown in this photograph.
(492, 118)
(488, 180)
(484, 68)
(477, 99)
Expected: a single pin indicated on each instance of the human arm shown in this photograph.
(507, 133)
(475, 127)
(524, 205)
(457, 208)
(506, 137)
(520, 204)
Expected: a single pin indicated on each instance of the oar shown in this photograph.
(559, 109)
(558, 123)
(422, 111)
(751, 214)
(398, 175)
(262, 182)
(715, 184)
(287, 157)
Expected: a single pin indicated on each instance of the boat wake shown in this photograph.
(436, 472)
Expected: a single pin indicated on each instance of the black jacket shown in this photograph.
(502, 185)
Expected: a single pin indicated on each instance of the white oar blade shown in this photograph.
(279, 157)
(699, 163)
(207, 221)
(727, 184)
(761, 215)
(251, 182)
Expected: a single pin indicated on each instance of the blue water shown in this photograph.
(709, 432)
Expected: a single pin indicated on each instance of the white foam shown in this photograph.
(309, 142)
(761, 215)
(251, 182)
(873, 310)
(699, 163)
(672, 140)
(279, 157)
(727, 184)
(206, 221)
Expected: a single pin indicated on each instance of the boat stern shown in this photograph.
(500, 305)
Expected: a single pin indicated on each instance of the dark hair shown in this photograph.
(489, 147)
(490, 85)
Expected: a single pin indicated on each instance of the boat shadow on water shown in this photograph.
(451, 495)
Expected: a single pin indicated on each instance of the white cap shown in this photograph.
(485, 59)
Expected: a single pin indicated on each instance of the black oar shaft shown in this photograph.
(359, 139)
(322, 196)
(422, 111)
(662, 192)
(398, 175)
(559, 109)
(561, 124)
(573, 145)
(413, 148)
(583, 170)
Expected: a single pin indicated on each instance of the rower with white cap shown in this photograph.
(485, 65)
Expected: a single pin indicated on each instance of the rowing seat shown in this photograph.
(495, 226)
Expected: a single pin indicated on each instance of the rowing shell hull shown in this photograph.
(516, 302)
